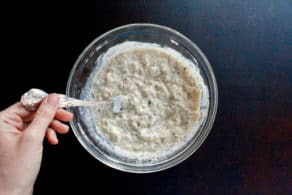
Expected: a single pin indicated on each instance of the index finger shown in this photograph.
(19, 110)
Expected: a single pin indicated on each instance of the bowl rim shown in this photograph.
(209, 121)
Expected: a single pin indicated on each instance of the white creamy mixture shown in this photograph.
(161, 98)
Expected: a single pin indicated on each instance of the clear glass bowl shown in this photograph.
(86, 64)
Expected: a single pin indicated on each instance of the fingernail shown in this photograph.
(53, 100)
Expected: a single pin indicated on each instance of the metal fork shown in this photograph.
(32, 98)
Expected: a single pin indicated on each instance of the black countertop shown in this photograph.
(249, 45)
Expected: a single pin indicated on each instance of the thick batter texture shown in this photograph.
(161, 99)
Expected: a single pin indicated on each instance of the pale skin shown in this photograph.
(21, 142)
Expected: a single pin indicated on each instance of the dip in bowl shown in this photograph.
(169, 97)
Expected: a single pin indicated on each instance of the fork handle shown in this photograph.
(32, 98)
(66, 101)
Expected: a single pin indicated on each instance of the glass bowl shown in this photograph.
(83, 122)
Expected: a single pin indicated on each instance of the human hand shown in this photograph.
(21, 142)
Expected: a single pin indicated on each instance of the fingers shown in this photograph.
(18, 110)
(52, 136)
(59, 127)
(12, 121)
(43, 116)
(63, 115)
(46, 121)
(56, 127)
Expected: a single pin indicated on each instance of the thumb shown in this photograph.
(44, 116)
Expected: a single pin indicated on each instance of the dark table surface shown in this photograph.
(249, 45)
